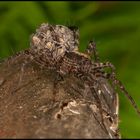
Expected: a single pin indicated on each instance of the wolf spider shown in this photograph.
(56, 47)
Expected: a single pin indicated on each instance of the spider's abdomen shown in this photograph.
(57, 39)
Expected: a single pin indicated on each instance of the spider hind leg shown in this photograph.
(123, 90)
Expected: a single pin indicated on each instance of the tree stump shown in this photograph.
(31, 106)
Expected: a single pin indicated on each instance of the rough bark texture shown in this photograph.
(31, 106)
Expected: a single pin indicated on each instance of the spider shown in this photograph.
(56, 47)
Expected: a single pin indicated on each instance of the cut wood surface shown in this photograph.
(31, 106)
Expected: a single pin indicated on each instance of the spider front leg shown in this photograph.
(118, 83)
(76, 37)
(93, 85)
(97, 69)
(57, 80)
(91, 50)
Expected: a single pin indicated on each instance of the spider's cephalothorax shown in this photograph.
(56, 39)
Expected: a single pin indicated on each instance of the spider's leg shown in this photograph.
(100, 66)
(57, 80)
(96, 95)
(97, 69)
(91, 50)
(90, 81)
(76, 36)
(123, 90)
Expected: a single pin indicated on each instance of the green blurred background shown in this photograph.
(115, 26)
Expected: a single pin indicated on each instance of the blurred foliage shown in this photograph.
(115, 26)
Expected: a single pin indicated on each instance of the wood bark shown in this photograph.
(32, 106)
